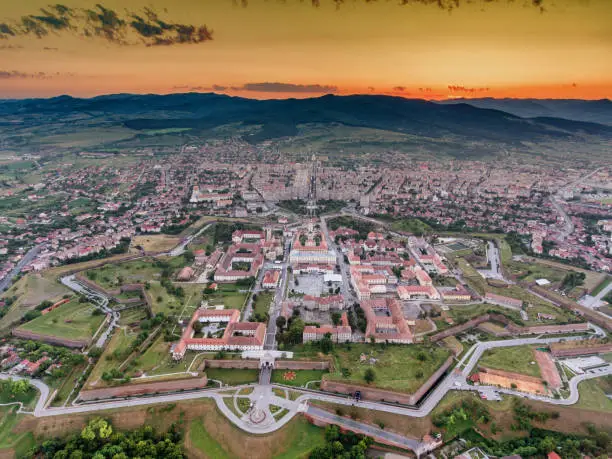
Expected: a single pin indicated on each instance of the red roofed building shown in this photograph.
(270, 279)
(386, 321)
(238, 336)
(340, 334)
(411, 292)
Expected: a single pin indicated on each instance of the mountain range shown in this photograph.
(454, 127)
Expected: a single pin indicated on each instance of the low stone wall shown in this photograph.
(511, 327)
(143, 388)
(367, 392)
(55, 340)
(278, 364)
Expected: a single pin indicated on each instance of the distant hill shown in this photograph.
(593, 111)
(359, 122)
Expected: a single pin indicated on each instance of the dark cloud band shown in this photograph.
(144, 27)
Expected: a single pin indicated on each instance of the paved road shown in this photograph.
(180, 249)
(27, 258)
(366, 429)
(98, 299)
(594, 301)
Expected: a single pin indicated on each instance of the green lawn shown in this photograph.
(112, 276)
(603, 284)
(116, 351)
(399, 368)
(262, 303)
(301, 377)
(156, 360)
(592, 396)
(516, 359)
(231, 376)
(20, 443)
(412, 225)
(71, 320)
(301, 438)
(463, 313)
(202, 440)
(228, 295)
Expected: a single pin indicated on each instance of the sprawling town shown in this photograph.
(362, 297)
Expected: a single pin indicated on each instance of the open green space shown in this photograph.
(232, 376)
(115, 353)
(203, 441)
(19, 443)
(467, 312)
(411, 225)
(517, 359)
(301, 377)
(603, 284)
(301, 438)
(228, 295)
(396, 367)
(157, 360)
(113, 276)
(262, 303)
(72, 320)
(593, 397)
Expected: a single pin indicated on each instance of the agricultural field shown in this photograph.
(399, 368)
(517, 359)
(73, 320)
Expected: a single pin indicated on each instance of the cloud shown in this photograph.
(17, 75)
(218, 87)
(145, 27)
(463, 89)
(399, 88)
(287, 87)
(446, 5)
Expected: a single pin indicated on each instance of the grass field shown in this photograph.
(231, 376)
(156, 360)
(516, 359)
(603, 284)
(116, 351)
(112, 276)
(30, 290)
(155, 243)
(228, 295)
(207, 445)
(262, 303)
(412, 225)
(301, 377)
(400, 368)
(18, 443)
(592, 396)
(72, 320)
(462, 313)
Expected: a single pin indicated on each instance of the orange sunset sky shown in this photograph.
(272, 49)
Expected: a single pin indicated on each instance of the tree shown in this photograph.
(281, 322)
(198, 326)
(369, 376)
(326, 343)
(335, 317)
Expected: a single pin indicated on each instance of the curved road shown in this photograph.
(455, 380)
